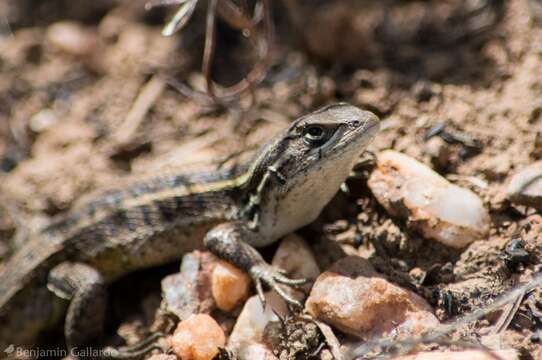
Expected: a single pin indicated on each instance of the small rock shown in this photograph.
(462, 355)
(43, 120)
(197, 338)
(296, 258)
(440, 210)
(230, 286)
(331, 341)
(525, 186)
(250, 324)
(72, 38)
(352, 297)
(162, 357)
(189, 292)
(255, 351)
(439, 151)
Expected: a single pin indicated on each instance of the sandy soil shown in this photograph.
(71, 121)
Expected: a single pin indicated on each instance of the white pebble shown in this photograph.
(525, 187)
(250, 324)
(72, 38)
(440, 210)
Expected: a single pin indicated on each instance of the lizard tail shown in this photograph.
(30, 263)
(27, 307)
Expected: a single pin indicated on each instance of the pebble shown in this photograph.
(509, 354)
(251, 323)
(189, 291)
(440, 210)
(297, 259)
(71, 38)
(255, 351)
(43, 120)
(353, 298)
(229, 285)
(162, 357)
(295, 256)
(197, 338)
(439, 151)
(525, 186)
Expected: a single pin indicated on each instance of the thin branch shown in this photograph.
(148, 95)
(508, 314)
(436, 334)
(181, 18)
(209, 46)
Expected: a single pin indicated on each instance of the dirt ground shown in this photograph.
(75, 118)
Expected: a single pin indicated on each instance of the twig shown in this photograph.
(508, 314)
(409, 344)
(237, 17)
(209, 46)
(262, 45)
(144, 101)
(181, 17)
(493, 354)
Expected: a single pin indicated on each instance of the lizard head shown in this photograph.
(338, 132)
(322, 147)
(307, 164)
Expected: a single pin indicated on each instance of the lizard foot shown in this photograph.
(134, 351)
(273, 277)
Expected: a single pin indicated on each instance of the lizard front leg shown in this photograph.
(230, 242)
(85, 288)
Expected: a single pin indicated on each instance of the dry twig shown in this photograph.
(144, 101)
(405, 346)
(239, 18)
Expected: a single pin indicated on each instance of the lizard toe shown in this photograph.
(290, 282)
(273, 278)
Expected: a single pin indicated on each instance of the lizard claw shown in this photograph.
(268, 275)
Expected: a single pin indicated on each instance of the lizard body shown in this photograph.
(284, 187)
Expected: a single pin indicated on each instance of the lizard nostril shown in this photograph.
(355, 123)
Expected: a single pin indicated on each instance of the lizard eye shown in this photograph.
(315, 135)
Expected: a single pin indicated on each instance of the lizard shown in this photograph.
(62, 271)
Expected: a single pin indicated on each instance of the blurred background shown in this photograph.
(92, 93)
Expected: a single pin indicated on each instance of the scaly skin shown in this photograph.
(63, 271)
